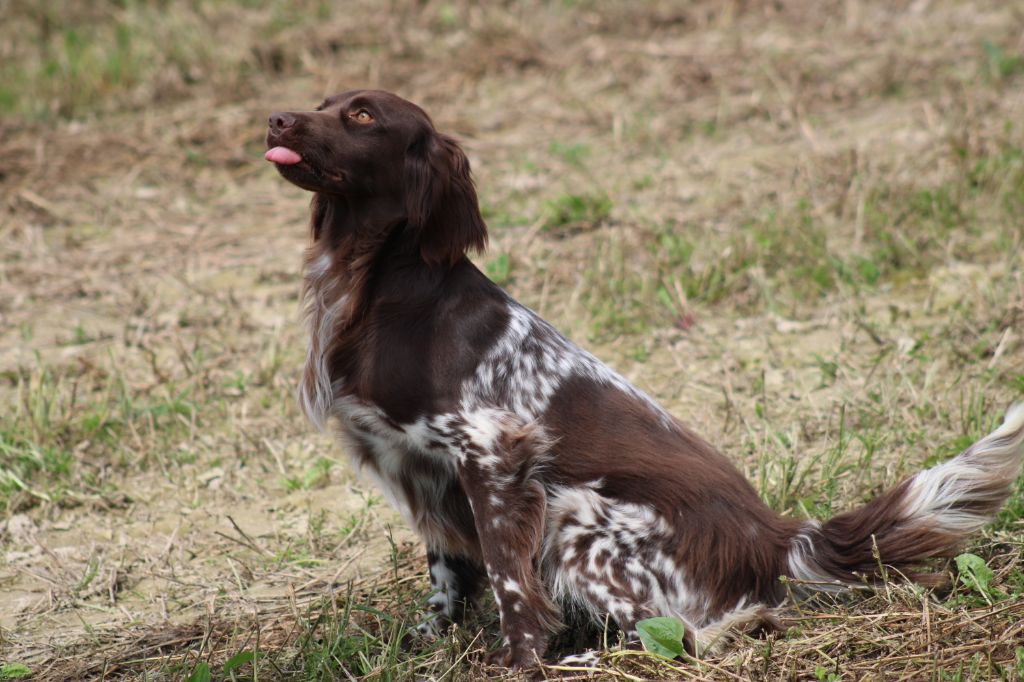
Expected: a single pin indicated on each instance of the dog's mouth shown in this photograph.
(283, 156)
(303, 172)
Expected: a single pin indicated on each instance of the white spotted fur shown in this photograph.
(534, 378)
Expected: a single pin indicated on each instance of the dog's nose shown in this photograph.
(281, 120)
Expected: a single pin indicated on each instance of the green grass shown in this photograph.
(781, 258)
(580, 211)
(14, 671)
(999, 64)
(499, 269)
(316, 476)
(74, 60)
(71, 431)
(575, 154)
(362, 632)
(65, 427)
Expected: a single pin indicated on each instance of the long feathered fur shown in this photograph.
(928, 515)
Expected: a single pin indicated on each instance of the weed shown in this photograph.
(14, 671)
(581, 211)
(823, 674)
(573, 154)
(977, 577)
(829, 370)
(662, 636)
(998, 64)
(201, 673)
(642, 183)
(317, 476)
(499, 269)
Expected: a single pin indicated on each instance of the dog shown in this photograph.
(524, 462)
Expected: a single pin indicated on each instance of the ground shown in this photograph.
(798, 225)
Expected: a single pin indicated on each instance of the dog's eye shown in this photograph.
(363, 116)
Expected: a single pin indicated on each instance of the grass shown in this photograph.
(61, 423)
(775, 261)
(811, 256)
(577, 211)
(67, 62)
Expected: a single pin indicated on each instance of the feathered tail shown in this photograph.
(928, 515)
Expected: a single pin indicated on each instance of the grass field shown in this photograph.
(798, 225)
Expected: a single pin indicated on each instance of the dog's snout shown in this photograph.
(281, 120)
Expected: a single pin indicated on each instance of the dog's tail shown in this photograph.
(928, 515)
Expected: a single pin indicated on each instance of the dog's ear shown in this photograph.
(441, 201)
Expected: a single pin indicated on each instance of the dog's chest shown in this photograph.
(382, 434)
(409, 462)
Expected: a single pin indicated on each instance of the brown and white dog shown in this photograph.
(523, 461)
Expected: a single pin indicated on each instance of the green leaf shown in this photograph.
(975, 574)
(662, 636)
(238, 660)
(201, 673)
(14, 671)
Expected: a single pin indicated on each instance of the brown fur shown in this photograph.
(481, 421)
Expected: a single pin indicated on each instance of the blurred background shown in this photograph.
(796, 224)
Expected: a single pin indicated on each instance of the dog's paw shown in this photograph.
(586, 659)
(499, 657)
(431, 626)
(513, 658)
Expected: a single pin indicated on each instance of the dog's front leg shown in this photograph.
(455, 583)
(498, 472)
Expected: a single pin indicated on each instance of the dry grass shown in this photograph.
(799, 225)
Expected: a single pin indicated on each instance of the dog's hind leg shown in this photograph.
(610, 558)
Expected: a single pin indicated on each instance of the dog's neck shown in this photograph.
(354, 239)
(339, 219)
(356, 256)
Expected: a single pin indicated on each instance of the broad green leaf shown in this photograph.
(975, 574)
(201, 673)
(662, 636)
(238, 660)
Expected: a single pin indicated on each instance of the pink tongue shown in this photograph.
(282, 155)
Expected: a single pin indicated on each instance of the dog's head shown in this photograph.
(379, 150)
